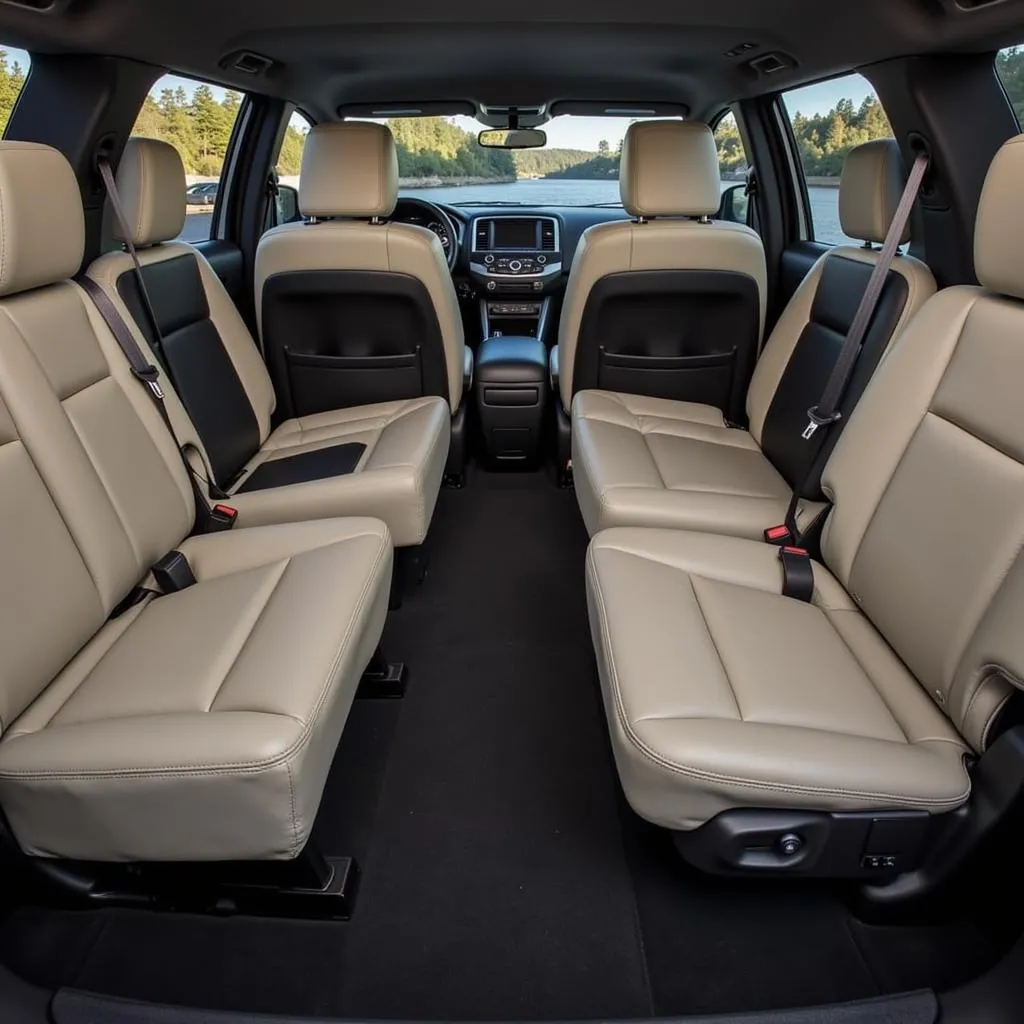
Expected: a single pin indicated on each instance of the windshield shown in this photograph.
(439, 159)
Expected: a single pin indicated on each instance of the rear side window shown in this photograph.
(197, 119)
(1010, 65)
(14, 65)
(829, 119)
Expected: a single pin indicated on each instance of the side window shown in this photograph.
(733, 166)
(289, 164)
(830, 119)
(1010, 65)
(197, 119)
(14, 65)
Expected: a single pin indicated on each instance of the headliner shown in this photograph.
(329, 53)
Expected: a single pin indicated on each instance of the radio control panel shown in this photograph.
(515, 254)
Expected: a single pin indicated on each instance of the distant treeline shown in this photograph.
(433, 147)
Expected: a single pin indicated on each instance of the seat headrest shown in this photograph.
(349, 169)
(1000, 224)
(669, 169)
(42, 225)
(870, 190)
(151, 182)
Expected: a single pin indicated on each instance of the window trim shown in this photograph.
(795, 167)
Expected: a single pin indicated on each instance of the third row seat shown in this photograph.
(641, 461)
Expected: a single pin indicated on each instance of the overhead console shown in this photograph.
(516, 261)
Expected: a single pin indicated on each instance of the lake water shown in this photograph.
(568, 192)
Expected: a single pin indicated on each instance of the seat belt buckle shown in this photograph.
(150, 376)
(797, 573)
(815, 422)
(222, 517)
(778, 535)
(173, 573)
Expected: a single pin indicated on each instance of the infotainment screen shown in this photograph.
(515, 233)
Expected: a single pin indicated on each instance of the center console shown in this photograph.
(511, 388)
(516, 262)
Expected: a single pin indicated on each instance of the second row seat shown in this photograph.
(640, 461)
(385, 460)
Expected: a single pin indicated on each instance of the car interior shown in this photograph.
(568, 573)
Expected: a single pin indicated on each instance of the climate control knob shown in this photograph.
(515, 266)
(542, 260)
(488, 260)
(491, 285)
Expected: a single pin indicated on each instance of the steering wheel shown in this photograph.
(436, 220)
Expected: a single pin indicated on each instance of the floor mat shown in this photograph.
(504, 878)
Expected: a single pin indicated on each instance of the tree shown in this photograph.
(602, 148)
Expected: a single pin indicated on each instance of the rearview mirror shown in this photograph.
(287, 200)
(512, 138)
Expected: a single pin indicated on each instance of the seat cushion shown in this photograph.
(641, 461)
(721, 693)
(201, 725)
(390, 458)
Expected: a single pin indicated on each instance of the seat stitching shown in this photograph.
(208, 770)
(294, 817)
(245, 643)
(691, 579)
(720, 778)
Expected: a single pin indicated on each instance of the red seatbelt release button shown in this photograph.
(778, 535)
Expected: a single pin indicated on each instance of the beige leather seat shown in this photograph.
(349, 304)
(198, 725)
(722, 694)
(647, 462)
(385, 460)
(664, 305)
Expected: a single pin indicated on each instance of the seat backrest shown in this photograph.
(801, 352)
(670, 304)
(354, 310)
(208, 354)
(92, 492)
(928, 480)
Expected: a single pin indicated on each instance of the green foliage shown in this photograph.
(12, 78)
(547, 163)
(1010, 65)
(200, 128)
(433, 147)
(825, 139)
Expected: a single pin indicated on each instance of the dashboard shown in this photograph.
(509, 264)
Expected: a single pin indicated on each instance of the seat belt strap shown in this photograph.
(797, 574)
(109, 183)
(826, 412)
(208, 520)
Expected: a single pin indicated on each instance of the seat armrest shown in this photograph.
(467, 369)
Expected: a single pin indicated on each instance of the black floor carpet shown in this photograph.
(503, 875)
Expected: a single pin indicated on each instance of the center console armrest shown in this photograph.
(467, 369)
(553, 368)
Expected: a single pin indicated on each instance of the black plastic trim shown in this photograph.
(688, 335)
(321, 464)
(340, 338)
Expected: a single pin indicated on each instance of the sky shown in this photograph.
(586, 132)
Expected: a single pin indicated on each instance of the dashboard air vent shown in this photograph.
(482, 238)
(547, 235)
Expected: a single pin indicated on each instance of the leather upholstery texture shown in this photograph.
(649, 462)
(1000, 223)
(197, 725)
(669, 169)
(42, 227)
(389, 248)
(349, 169)
(721, 693)
(151, 184)
(397, 480)
(870, 190)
